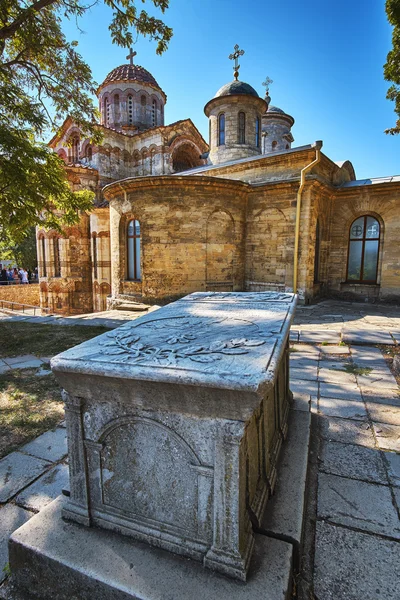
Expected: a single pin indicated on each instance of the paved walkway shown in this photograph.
(352, 532)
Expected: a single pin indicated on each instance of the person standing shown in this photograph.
(24, 277)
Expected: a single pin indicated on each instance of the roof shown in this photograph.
(236, 88)
(275, 111)
(130, 73)
(372, 181)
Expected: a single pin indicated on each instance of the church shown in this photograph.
(243, 211)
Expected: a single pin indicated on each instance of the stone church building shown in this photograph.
(244, 211)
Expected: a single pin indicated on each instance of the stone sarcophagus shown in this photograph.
(175, 422)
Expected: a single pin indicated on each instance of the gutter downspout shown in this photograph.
(317, 145)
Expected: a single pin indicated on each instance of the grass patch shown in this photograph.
(342, 344)
(29, 406)
(349, 368)
(21, 338)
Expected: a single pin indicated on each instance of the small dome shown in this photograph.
(236, 88)
(275, 109)
(130, 73)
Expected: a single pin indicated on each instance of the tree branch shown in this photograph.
(9, 30)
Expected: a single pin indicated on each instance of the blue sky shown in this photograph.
(325, 59)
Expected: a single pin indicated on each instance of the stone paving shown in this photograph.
(352, 532)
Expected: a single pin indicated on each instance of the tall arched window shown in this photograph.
(154, 113)
(133, 253)
(74, 149)
(362, 262)
(94, 256)
(56, 252)
(130, 110)
(89, 154)
(116, 108)
(143, 103)
(221, 129)
(258, 132)
(242, 128)
(43, 252)
(107, 111)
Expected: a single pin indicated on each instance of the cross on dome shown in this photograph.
(131, 55)
(266, 84)
(235, 57)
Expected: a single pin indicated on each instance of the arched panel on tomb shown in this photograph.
(185, 155)
(220, 251)
(150, 474)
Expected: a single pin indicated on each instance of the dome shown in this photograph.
(275, 109)
(125, 73)
(236, 88)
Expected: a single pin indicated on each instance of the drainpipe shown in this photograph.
(317, 145)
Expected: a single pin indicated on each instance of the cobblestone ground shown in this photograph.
(352, 527)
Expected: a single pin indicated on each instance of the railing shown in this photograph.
(12, 306)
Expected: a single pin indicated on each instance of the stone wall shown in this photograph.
(26, 294)
(192, 235)
(381, 201)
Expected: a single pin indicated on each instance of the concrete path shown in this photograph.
(352, 526)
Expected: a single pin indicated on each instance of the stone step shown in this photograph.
(50, 558)
(132, 306)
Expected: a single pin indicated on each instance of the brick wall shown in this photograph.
(26, 294)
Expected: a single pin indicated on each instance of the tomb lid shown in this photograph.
(219, 340)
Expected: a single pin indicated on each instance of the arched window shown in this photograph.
(56, 252)
(274, 145)
(89, 154)
(116, 108)
(133, 254)
(154, 113)
(152, 155)
(242, 128)
(107, 111)
(43, 252)
(362, 262)
(316, 254)
(143, 103)
(258, 132)
(94, 256)
(221, 129)
(74, 149)
(130, 110)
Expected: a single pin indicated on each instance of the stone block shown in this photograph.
(319, 337)
(53, 559)
(357, 504)
(164, 413)
(328, 351)
(45, 489)
(11, 518)
(336, 376)
(308, 349)
(383, 412)
(51, 446)
(17, 470)
(366, 337)
(392, 460)
(25, 358)
(369, 357)
(350, 409)
(339, 390)
(357, 462)
(285, 511)
(346, 431)
(306, 372)
(354, 566)
(388, 436)
(387, 396)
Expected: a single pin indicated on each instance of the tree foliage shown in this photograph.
(392, 66)
(23, 254)
(43, 79)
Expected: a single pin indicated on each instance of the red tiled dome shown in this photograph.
(130, 73)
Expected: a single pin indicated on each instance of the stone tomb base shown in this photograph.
(51, 559)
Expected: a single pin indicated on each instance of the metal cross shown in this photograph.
(235, 57)
(131, 55)
(266, 84)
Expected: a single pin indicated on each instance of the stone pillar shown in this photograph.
(77, 508)
(233, 540)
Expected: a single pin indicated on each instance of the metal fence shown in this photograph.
(19, 307)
